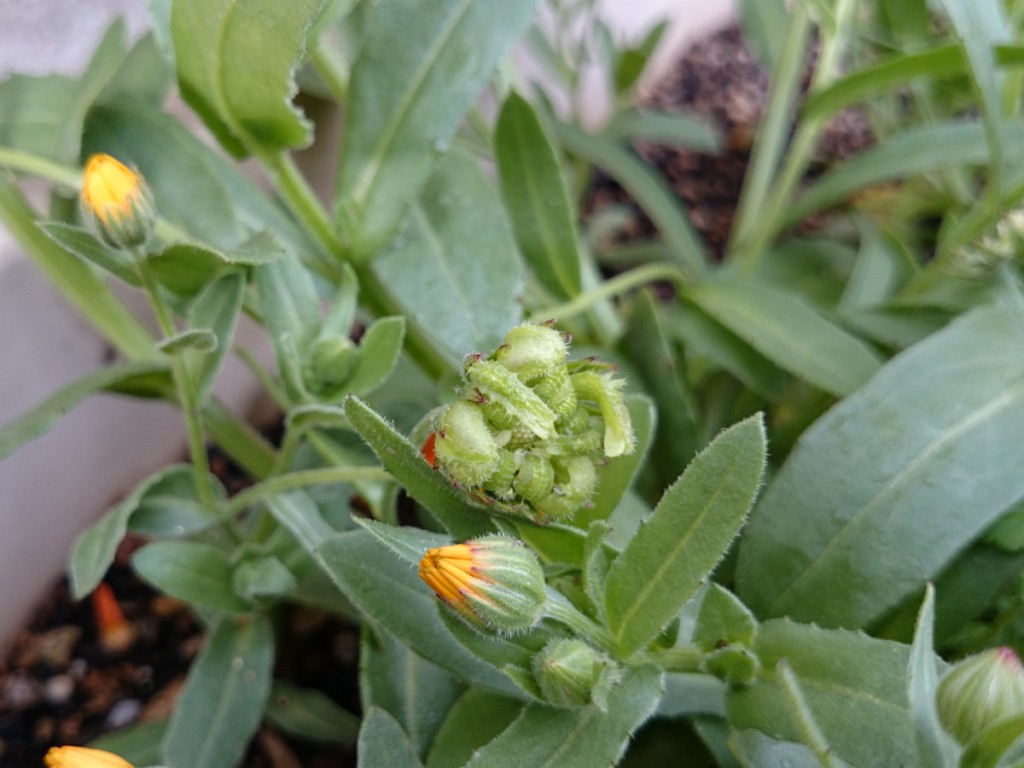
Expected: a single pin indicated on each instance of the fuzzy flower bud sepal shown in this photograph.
(494, 583)
(117, 204)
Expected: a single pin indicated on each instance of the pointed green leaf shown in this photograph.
(41, 419)
(854, 685)
(382, 742)
(191, 571)
(929, 446)
(379, 350)
(457, 513)
(934, 746)
(477, 717)
(186, 268)
(533, 188)
(225, 692)
(289, 302)
(789, 332)
(84, 244)
(310, 715)
(407, 542)
(236, 64)
(454, 267)
(406, 98)
(217, 308)
(299, 514)
(585, 737)
(686, 535)
(415, 692)
(388, 590)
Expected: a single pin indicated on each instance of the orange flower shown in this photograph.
(493, 582)
(83, 757)
(116, 202)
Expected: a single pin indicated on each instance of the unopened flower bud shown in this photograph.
(332, 360)
(83, 757)
(498, 384)
(980, 691)
(117, 204)
(493, 582)
(567, 670)
(464, 445)
(531, 351)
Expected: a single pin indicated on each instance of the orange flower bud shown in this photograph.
(83, 757)
(117, 203)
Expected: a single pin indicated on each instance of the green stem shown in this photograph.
(331, 71)
(188, 396)
(683, 658)
(617, 285)
(811, 732)
(239, 440)
(561, 610)
(302, 479)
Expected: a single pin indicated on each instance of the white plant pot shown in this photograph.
(55, 486)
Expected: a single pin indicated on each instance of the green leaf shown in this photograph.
(933, 745)
(764, 28)
(310, 715)
(171, 507)
(854, 686)
(299, 514)
(225, 692)
(195, 187)
(536, 198)
(454, 268)
(382, 742)
(929, 446)
(476, 718)
(94, 548)
(659, 366)
(871, 81)
(918, 149)
(463, 518)
(407, 95)
(44, 416)
(258, 580)
(407, 542)
(758, 750)
(289, 302)
(84, 244)
(723, 620)
(389, 591)
(672, 128)
(648, 189)
(415, 692)
(191, 571)
(379, 350)
(686, 535)
(789, 332)
(991, 744)
(44, 115)
(689, 693)
(138, 743)
(236, 67)
(199, 340)
(144, 75)
(217, 308)
(585, 737)
(186, 268)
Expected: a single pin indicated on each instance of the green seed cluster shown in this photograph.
(530, 426)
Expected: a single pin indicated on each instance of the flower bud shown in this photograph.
(980, 691)
(332, 360)
(117, 204)
(531, 351)
(567, 670)
(493, 582)
(83, 757)
(498, 384)
(464, 445)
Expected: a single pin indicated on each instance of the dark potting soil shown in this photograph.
(60, 685)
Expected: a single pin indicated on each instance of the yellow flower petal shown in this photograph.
(83, 757)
